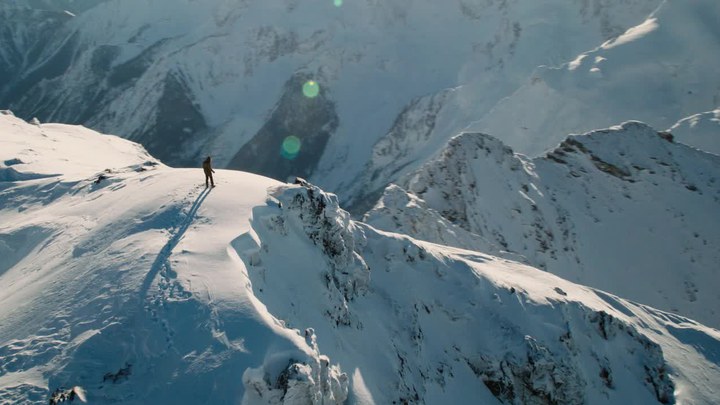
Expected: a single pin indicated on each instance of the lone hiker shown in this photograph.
(207, 168)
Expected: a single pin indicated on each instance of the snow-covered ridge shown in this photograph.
(527, 336)
(403, 212)
(142, 287)
(603, 208)
(118, 276)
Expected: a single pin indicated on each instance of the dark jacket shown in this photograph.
(207, 168)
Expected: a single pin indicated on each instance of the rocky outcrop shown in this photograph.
(331, 230)
(312, 381)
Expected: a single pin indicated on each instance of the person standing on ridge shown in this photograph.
(207, 168)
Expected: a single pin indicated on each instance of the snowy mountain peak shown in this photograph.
(560, 212)
(474, 142)
(634, 152)
(616, 150)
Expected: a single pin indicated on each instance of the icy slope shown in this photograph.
(623, 210)
(190, 77)
(144, 288)
(658, 72)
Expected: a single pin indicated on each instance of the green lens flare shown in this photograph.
(311, 89)
(290, 147)
(338, 3)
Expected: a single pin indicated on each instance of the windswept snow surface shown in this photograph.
(143, 287)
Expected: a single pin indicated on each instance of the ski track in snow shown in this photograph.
(162, 265)
(168, 286)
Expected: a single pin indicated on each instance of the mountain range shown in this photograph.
(191, 79)
(417, 202)
(127, 281)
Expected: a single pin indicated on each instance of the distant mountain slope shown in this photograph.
(624, 210)
(700, 130)
(141, 287)
(658, 72)
(189, 78)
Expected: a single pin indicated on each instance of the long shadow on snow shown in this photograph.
(162, 259)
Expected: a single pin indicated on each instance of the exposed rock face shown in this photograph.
(310, 120)
(330, 229)
(404, 146)
(24, 36)
(318, 217)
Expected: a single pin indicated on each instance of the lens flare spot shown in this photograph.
(290, 147)
(311, 89)
(338, 3)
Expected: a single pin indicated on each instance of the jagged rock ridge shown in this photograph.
(603, 208)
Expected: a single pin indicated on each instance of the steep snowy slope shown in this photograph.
(188, 77)
(658, 72)
(624, 210)
(141, 287)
